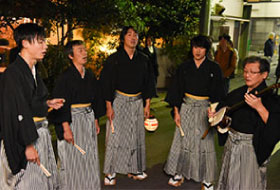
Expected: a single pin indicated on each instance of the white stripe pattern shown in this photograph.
(33, 178)
(125, 148)
(240, 169)
(189, 155)
(80, 171)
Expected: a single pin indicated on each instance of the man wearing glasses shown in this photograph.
(254, 130)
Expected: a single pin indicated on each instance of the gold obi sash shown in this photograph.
(80, 105)
(128, 95)
(38, 119)
(196, 97)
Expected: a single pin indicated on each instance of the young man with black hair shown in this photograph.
(127, 81)
(23, 111)
(77, 121)
(196, 83)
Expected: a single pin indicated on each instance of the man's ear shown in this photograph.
(265, 75)
(70, 56)
(25, 43)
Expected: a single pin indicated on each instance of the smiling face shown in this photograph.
(252, 75)
(79, 55)
(198, 53)
(130, 39)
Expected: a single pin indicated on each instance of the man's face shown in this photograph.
(252, 75)
(223, 42)
(79, 54)
(130, 39)
(198, 53)
(37, 48)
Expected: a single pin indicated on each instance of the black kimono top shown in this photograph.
(21, 99)
(127, 75)
(247, 120)
(75, 90)
(206, 80)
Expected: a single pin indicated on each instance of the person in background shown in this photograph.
(150, 51)
(23, 110)
(254, 130)
(226, 58)
(269, 46)
(197, 82)
(128, 82)
(77, 121)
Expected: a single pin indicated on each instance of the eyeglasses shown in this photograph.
(251, 72)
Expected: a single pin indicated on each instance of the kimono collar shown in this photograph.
(24, 66)
(125, 53)
(77, 73)
(258, 88)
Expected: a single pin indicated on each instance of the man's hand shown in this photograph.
(67, 135)
(55, 103)
(97, 126)
(147, 108)
(31, 154)
(109, 111)
(177, 117)
(253, 101)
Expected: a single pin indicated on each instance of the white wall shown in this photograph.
(266, 10)
(234, 8)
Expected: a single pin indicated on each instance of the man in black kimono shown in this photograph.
(127, 82)
(77, 121)
(197, 82)
(23, 111)
(254, 129)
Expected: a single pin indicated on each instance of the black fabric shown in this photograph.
(247, 120)
(20, 100)
(268, 48)
(127, 75)
(76, 90)
(207, 80)
(152, 60)
(231, 76)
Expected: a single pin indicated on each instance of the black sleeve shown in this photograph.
(57, 117)
(175, 92)
(62, 90)
(267, 136)
(98, 104)
(217, 92)
(107, 77)
(18, 128)
(149, 80)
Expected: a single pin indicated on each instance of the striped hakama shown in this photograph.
(79, 171)
(191, 156)
(33, 178)
(240, 169)
(125, 148)
(7, 179)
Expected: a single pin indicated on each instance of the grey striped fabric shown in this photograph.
(7, 179)
(33, 178)
(240, 169)
(77, 171)
(125, 149)
(189, 155)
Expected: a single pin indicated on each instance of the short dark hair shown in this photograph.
(264, 65)
(124, 32)
(201, 41)
(68, 49)
(28, 31)
(225, 36)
